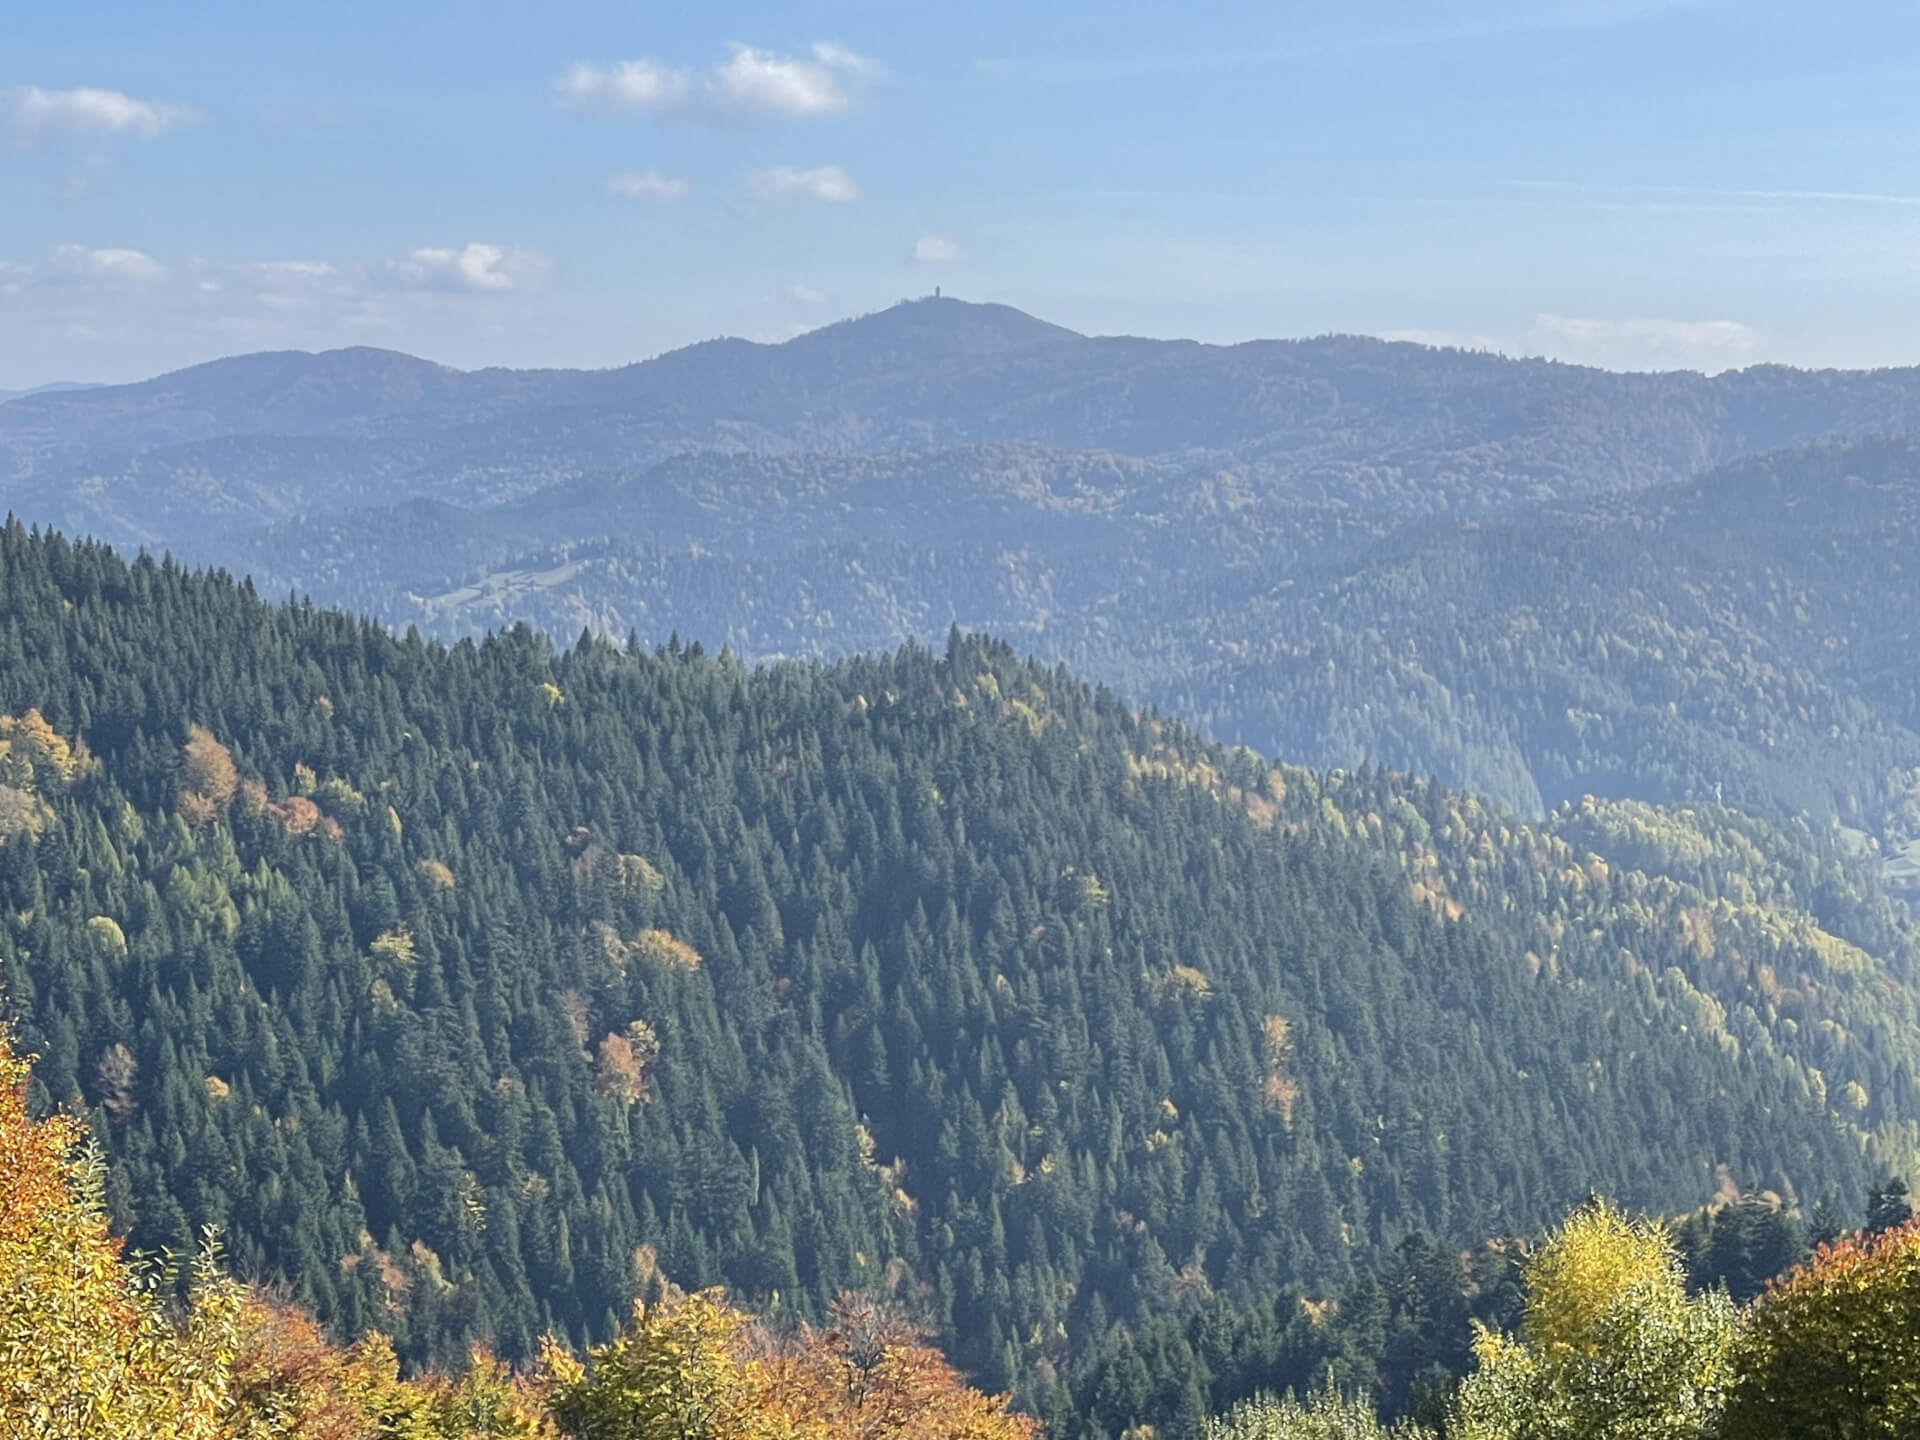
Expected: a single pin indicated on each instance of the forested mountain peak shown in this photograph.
(936, 325)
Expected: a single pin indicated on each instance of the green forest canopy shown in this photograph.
(465, 988)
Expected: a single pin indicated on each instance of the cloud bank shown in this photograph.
(1641, 342)
(1647, 342)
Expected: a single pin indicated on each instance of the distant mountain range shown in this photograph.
(55, 387)
(1534, 579)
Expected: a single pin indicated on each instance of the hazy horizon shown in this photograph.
(1634, 184)
(1462, 344)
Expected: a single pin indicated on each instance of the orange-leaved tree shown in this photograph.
(869, 1375)
(290, 1383)
(1832, 1351)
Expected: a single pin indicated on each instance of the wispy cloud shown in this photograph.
(474, 268)
(111, 310)
(781, 182)
(1706, 196)
(749, 86)
(33, 115)
(134, 266)
(1533, 19)
(806, 295)
(936, 250)
(646, 185)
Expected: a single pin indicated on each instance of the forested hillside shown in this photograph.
(1742, 636)
(469, 990)
(1748, 634)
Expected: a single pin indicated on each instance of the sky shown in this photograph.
(1638, 184)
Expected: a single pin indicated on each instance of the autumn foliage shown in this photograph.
(290, 1383)
(95, 1346)
(694, 1368)
(870, 1376)
(208, 777)
(1612, 1347)
(1833, 1350)
(90, 1345)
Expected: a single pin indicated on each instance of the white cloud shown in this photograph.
(835, 56)
(827, 182)
(631, 84)
(806, 295)
(936, 250)
(751, 84)
(1646, 342)
(80, 271)
(1638, 342)
(124, 265)
(33, 115)
(102, 285)
(645, 185)
(473, 266)
(753, 79)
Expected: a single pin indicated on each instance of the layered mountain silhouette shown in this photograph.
(1533, 579)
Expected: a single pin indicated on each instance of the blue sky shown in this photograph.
(1634, 183)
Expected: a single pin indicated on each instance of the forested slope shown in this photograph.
(1749, 633)
(1743, 635)
(463, 988)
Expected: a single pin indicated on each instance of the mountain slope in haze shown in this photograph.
(467, 988)
(1353, 421)
(52, 387)
(1744, 635)
(1749, 633)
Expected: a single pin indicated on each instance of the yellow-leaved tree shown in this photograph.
(1611, 1346)
(675, 1373)
(1328, 1415)
(692, 1367)
(91, 1345)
